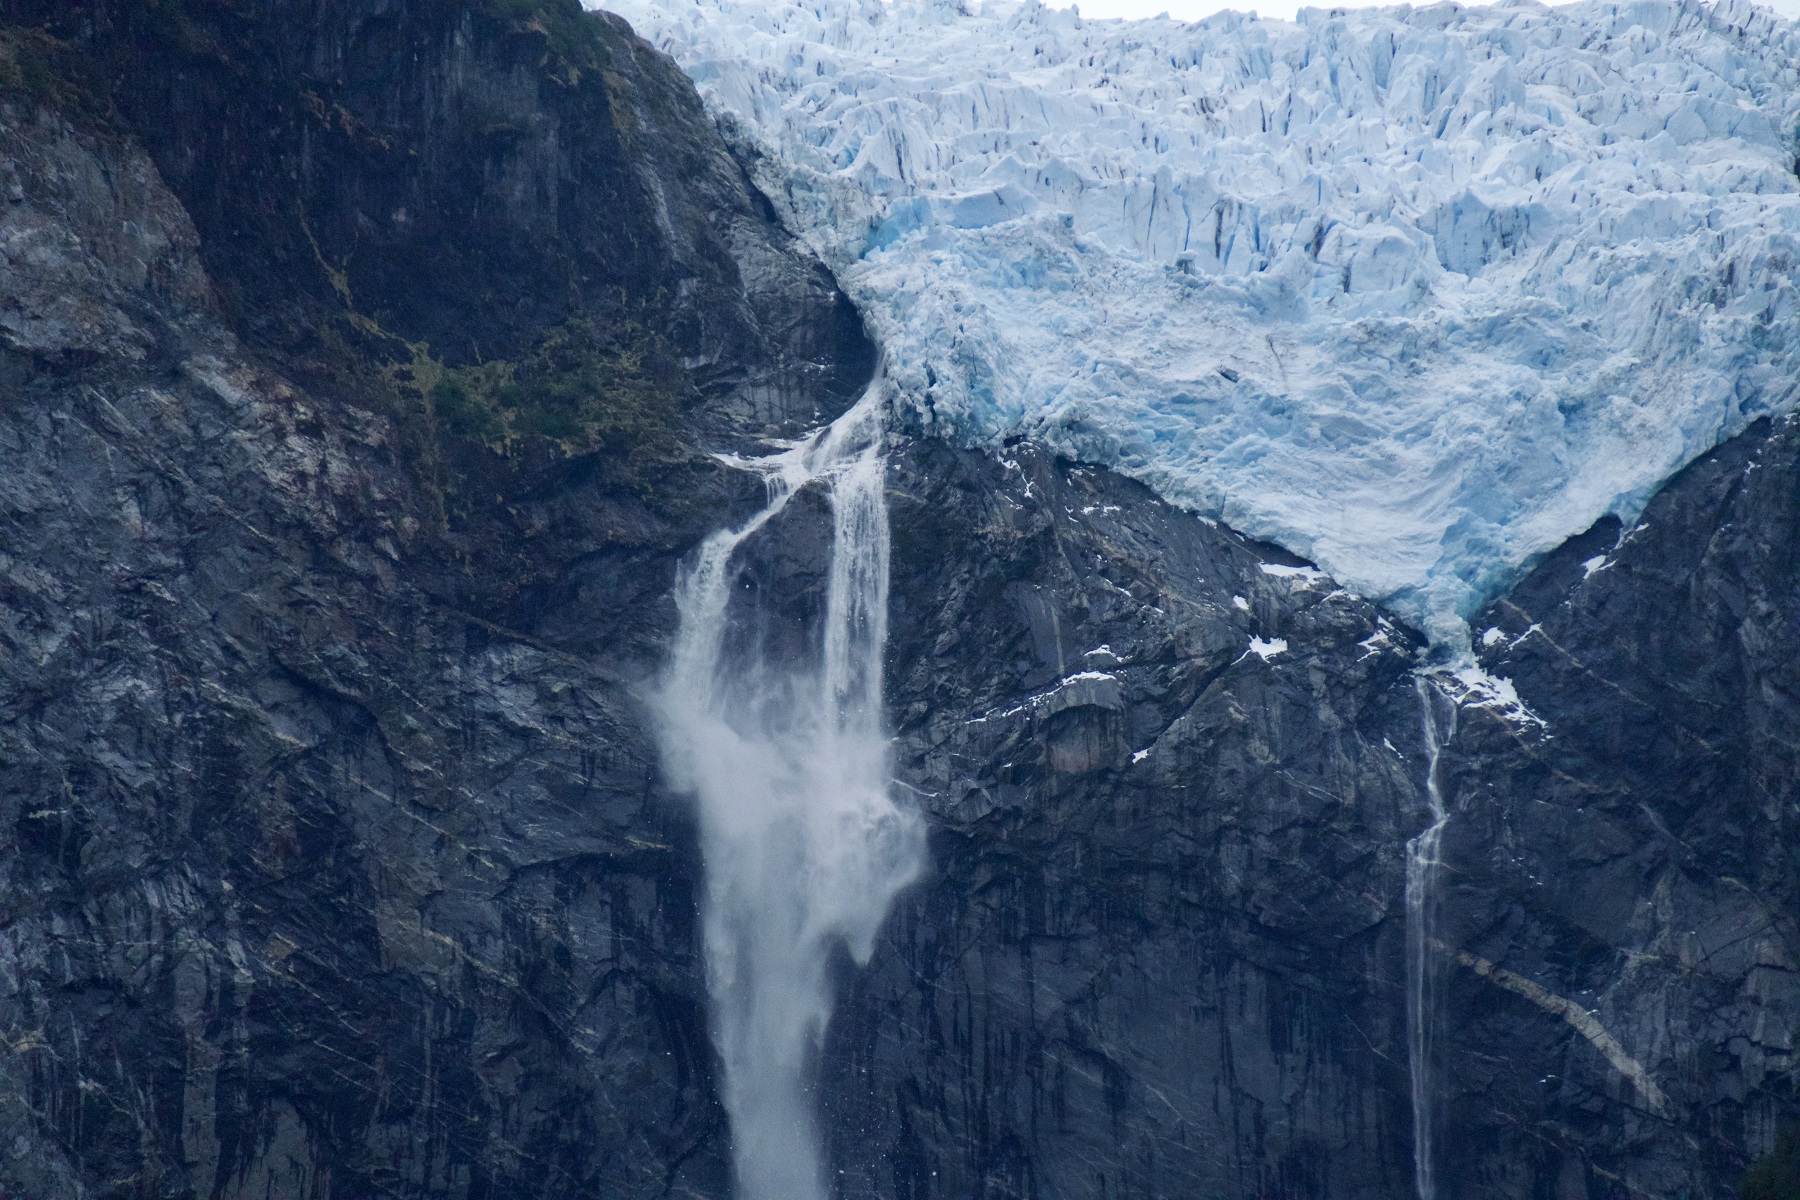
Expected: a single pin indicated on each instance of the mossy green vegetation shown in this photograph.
(1776, 1176)
(583, 388)
(587, 386)
(475, 434)
(25, 61)
(50, 71)
(574, 37)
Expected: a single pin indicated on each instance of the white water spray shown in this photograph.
(1422, 965)
(804, 847)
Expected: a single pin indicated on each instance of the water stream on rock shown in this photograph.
(804, 846)
(1422, 965)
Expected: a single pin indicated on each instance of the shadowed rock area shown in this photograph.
(1159, 952)
(334, 861)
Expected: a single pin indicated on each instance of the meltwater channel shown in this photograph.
(804, 846)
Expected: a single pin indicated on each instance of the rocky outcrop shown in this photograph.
(1635, 849)
(334, 859)
(1170, 774)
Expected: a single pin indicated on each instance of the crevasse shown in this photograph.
(1415, 292)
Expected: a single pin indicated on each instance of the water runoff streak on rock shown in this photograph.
(804, 846)
(1422, 964)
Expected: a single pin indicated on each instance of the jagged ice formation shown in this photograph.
(1416, 292)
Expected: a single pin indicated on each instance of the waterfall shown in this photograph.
(803, 844)
(1422, 964)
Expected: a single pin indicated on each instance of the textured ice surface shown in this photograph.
(1415, 292)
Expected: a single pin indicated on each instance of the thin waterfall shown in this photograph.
(803, 844)
(1422, 964)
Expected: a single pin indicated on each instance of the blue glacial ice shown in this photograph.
(1414, 292)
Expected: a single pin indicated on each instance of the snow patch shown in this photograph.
(1471, 687)
(1376, 642)
(1266, 650)
(1096, 689)
(1305, 576)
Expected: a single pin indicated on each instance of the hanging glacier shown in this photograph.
(1414, 292)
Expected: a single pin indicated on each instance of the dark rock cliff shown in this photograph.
(360, 362)
(1161, 948)
(465, 176)
(333, 859)
(1638, 852)
(1157, 953)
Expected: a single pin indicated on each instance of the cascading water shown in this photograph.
(1422, 964)
(804, 846)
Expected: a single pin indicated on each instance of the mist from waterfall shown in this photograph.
(803, 844)
(1423, 965)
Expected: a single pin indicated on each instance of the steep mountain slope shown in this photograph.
(334, 860)
(1161, 947)
(1639, 853)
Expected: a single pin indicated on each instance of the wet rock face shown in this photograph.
(1170, 774)
(333, 860)
(1160, 949)
(1639, 852)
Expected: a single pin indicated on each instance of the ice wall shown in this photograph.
(1416, 292)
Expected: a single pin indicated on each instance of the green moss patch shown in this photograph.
(1776, 1176)
(584, 389)
(50, 71)
(574, 38)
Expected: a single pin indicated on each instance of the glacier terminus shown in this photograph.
(1415, 292)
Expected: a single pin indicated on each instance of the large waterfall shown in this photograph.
(786, 754)
(1422, 959)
